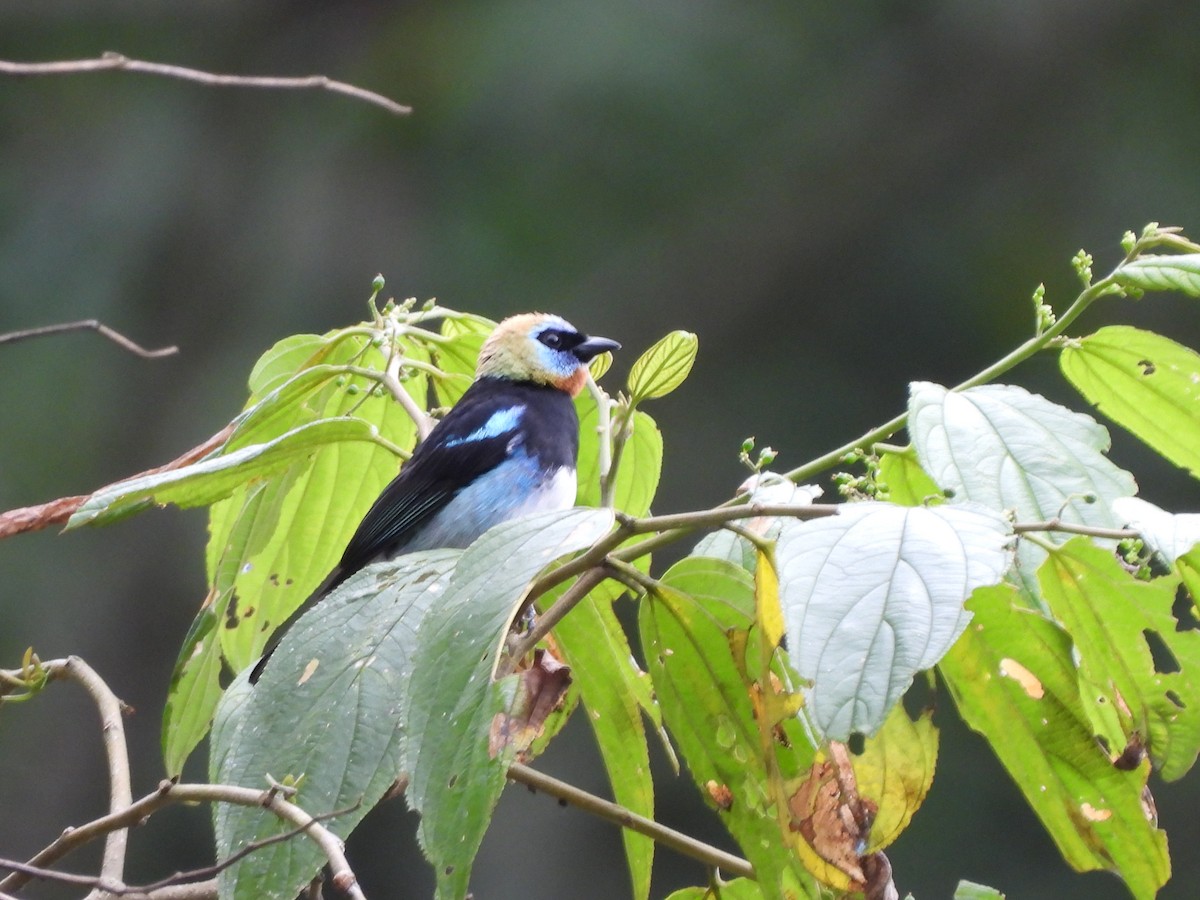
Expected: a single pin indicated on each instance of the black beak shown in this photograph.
(593, 347)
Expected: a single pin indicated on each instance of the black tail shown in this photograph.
(336, 577)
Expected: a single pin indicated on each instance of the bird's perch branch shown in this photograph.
(117, 62)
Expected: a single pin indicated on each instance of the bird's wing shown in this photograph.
(470, 442)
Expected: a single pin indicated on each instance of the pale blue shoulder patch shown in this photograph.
(502, 421)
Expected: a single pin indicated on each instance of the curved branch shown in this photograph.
(115, 61)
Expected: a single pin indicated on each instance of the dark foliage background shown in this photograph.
(837, 198)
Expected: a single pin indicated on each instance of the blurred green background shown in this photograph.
(838, 198)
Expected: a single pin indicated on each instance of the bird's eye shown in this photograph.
(551, 339)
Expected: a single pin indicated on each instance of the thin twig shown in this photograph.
(115, 61)
(551, 617)
(87, 325)
(612, 812)
(1057, 524)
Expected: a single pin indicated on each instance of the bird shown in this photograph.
(508, 448)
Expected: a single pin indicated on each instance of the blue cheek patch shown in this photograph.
(556, 362)
(500, 422)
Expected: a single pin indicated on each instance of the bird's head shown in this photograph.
(540, 348)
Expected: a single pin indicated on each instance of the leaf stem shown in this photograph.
(1103, 287)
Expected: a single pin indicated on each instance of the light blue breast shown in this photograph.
(516, 487)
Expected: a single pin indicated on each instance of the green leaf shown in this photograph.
(1174, 272)
(457, 358)
(215, 478)
(686, 630)
(456, 778)
(194, 691)
(330, 708)
(286, 358)
(908, 484)
(878, 591)
(1144, 382)
(1013, 679)
(614, 691)
(969, 890)
(640, 467)
(1111, 617)
(275, 539)
(738, 889)
(895, 770)
(1011, 450)
(663, 367)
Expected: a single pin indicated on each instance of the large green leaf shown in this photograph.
(614, 692)
(1111, 617)
(875, 594)
(274, 539)
(1167, 272)
(1011, 450)
(456, 777)
(1145, 383)
(1014, 681)
(329, 709)
(686, 629)
(611, 686)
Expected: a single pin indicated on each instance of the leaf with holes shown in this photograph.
(1144, 382)
(273, 540)
(1013, 678)
(1117, 624)
(687, 630)
(874, 595)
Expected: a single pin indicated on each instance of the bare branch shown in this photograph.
(120, 794)
(115, 61)
(612, 812)
(169, 793)
(86, 325)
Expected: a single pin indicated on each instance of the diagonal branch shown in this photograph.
(612, 812)
(115, 61)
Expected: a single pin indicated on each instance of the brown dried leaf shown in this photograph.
(540, 691)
